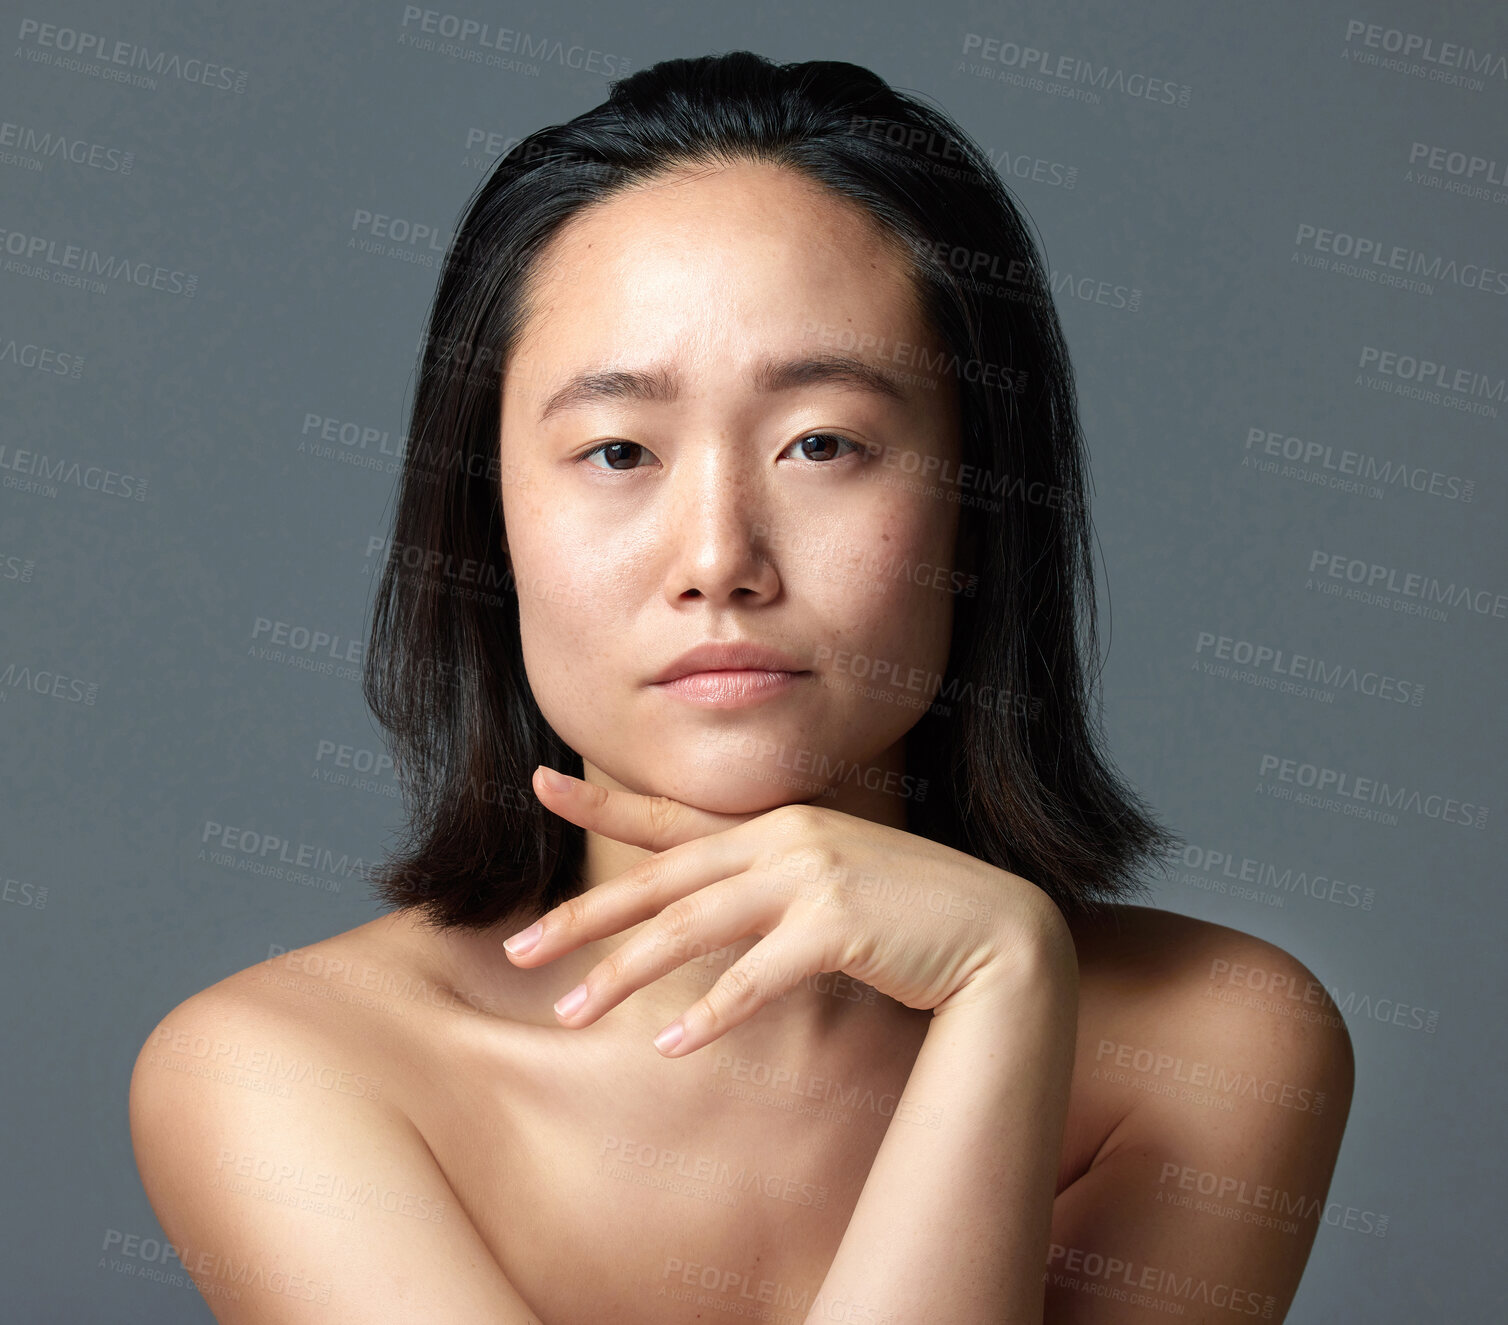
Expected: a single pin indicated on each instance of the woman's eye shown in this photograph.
(621, 456)
(828, 440)
(619, 448)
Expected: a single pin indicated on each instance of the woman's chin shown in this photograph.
(725, 793)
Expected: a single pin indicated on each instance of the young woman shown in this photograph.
(745, 488)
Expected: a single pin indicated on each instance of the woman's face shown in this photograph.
(687, 500)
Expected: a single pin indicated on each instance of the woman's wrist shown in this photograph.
(1036, 960)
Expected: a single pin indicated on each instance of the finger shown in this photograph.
(776, 964)
(652, 822)
(705, 922)
(643, 890)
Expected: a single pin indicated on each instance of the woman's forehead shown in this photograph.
(758, 230)
(652, 291)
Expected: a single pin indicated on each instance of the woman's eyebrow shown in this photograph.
(660, 384)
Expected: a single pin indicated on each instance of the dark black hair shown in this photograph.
(1010, 755)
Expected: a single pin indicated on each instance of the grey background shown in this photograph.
(155, 602)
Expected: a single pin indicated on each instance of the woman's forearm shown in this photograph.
(954, 1220)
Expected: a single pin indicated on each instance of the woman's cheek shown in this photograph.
(560, 567)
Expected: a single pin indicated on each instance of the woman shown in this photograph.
(745, 488)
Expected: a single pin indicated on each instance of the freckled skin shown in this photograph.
(725, 528)
(521, 1134)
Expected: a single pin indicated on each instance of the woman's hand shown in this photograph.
(828, 891)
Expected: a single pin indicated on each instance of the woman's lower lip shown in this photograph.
(730, 689)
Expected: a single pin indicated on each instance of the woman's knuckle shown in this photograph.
(681, 918)
(829, 862)
(644, 879)
(796, 820)
(739, 984)
(660, 811)
(573, 912)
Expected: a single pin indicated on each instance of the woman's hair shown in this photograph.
(1009, 755)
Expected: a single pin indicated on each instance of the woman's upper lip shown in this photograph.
(713, 657)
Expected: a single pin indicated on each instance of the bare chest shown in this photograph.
(666, 1191)
(709, 1188)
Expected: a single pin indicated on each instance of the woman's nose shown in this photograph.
(719, 534)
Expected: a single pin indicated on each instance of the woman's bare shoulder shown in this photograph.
(1164, 952)
(271, 1130)
(1208, 1056)
(1198, 999)
(285, 1022)
(355, 992)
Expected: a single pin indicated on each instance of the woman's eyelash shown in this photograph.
(854, 447)
(602, 446)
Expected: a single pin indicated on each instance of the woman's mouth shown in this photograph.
(731, 688)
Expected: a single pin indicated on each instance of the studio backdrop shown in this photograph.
(1278, 243)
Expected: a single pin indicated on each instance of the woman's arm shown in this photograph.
(1204, 1201)
(954, 1221)
(290, 1191)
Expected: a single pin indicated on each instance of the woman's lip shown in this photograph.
(730, 688)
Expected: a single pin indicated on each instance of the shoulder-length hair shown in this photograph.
(1013, 770)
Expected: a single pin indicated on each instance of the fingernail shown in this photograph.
(525, 939)
(571, 1001)
(553, 780)
(668, 1038)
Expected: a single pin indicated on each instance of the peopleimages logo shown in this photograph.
(1378, 578)
(1419, 370)
(1401, 258)
(1264, 657)
(1227, 869)
(42, 359)
(51, 471)
(45, 256)
(90, 52)
(1343, 469)
(1446, 56)
(1345, 786)
(1074, 70)
(484, 43)
(56, 145)
(1459, 164)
